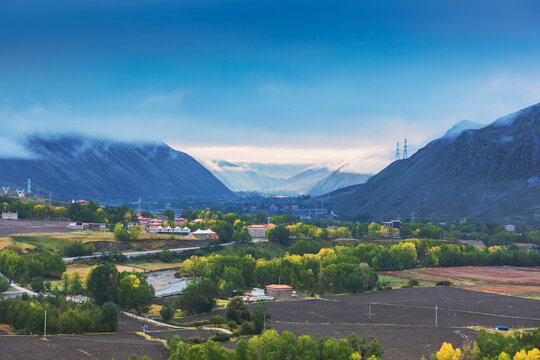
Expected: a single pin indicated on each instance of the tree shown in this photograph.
(375, 349)
(167, 311)
(260, 314)
(447, 352)
(169, 213)
(237, 311)
(4, 284)
(198, 297)
(279, 234)
(109, 316)
(120, 233)
(37, 284)
(165, 255)
(134, 292)
(101, 283)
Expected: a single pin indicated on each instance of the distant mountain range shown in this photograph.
(81, 167)
(277, 178)
(485, 173)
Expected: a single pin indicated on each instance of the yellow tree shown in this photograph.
(447, 352)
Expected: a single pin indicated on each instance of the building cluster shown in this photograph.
(272, 292)
(155, 226)
(87, 226)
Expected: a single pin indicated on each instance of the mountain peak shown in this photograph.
(460, 127)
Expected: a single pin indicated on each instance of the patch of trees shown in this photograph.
(30, 210)
(23, 268)
(271, 345)
(78, 248)
(130, 291)
(27, 314)
(496, 346)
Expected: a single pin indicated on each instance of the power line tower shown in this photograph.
(20, 193)
(397, 151)
(29, 191)
(5, 189)
(405, 149)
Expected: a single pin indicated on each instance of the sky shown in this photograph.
(318, 82)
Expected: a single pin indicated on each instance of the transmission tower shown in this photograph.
(405, 149)
(20, 193)
(397, 151)
(29, 191)
(5, 189)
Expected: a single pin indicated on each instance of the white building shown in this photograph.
(186, 230)
(510, 228)
(10, 216)
(257, 231)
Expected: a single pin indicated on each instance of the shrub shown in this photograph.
(218, 320)
(237, 311)
(413, 283)
(444, 283)
(221, 336)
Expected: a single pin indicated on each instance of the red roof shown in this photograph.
(82, 201)
(269, 224)
(256, 226)
(279, 287)
(142, 218)
(180, 219)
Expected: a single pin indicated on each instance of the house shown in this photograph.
(279, 292)
(153, 227)
(177, 230)
(76, 225)
(97, 226)
(257, 231)
(10, 216)
(196, 221)
(204, 234)
(180, 220)
(143, 220)
(82, 201)
(168, 230)
(392, 224)
(256, 295)
(510, 228)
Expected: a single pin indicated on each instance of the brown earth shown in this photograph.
(33, 226)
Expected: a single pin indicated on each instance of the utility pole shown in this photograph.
(45, 327)
(30, 342)
(436, 310)
(264, 321)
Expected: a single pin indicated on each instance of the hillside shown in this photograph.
(336, 180)
(80, 167)
(487, 173)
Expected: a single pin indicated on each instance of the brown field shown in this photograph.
(8, 227)
(519, 281)
(402, 319)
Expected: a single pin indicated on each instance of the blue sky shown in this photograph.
(275, 81)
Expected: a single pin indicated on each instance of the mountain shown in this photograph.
(74, 166)
(460, 127)
(336, 180)
(484, 173)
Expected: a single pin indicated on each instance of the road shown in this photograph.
(18, 290)
(158, 323)
(69, 260)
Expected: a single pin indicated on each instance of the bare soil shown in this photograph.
(403, 319)
(33, 226)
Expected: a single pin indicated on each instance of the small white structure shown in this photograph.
(168, 230)
(204, 234)
(510, 228)
(256, 295)
(10, 216)
(177, 230)
(186, 230)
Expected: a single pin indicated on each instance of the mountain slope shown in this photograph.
(484, 173)
(75, 166)
(336, 180)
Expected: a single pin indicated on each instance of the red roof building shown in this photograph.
(279, 292)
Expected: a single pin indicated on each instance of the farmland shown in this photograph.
(403, 319)
(517, 281)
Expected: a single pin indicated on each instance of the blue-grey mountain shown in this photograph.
(487, 173)
(79, 167)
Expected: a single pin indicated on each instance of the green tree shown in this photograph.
(109, 316)
(169, 213)
(237, 311)
(134, 292)
(198, 297)
(101, 283)
(167, 311)
(260, 314)
(121, 233)
(279, 234)
(4, 284)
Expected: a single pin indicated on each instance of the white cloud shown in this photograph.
(164, 99)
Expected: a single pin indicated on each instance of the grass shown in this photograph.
(5, 242)
(154, 266)
(57, 241)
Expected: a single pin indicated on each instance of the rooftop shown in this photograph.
(279, 287)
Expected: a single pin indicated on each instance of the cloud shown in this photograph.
(12, 149)
(164, 99)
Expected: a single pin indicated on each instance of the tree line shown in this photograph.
(273, 346)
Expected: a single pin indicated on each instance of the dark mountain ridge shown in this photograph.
(76, 166)
(484, 173)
